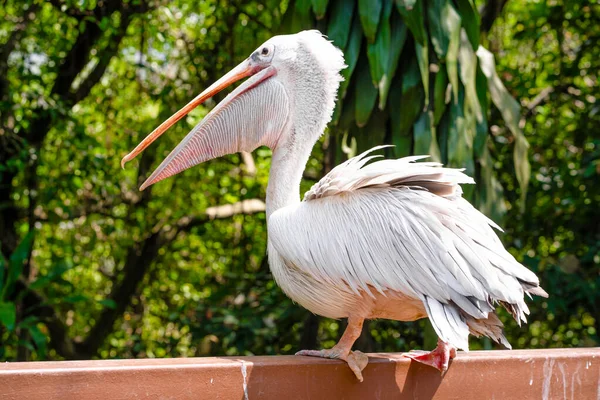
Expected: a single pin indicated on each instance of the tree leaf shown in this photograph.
(351, 55)
(412, 14)
(402, 143)
(424, 137)
(60, 268)
(299, 17)
(366, 94)
(423, 61)
(453, 26)
(470, 21)
(39, 339)
(397, 44)
(412, 97)
(338, 29)
(2, 269)
(481, 133)
(108, 303)
(369, 11)
(76, 298)
(439, 95)
(15, 265)
(510, 110)
(491, 196)
(8, 315)
(444, 24)
(460, 141)
(468, 71)
(378, 51)
(319, 7)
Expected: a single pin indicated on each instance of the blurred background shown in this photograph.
(92, 268)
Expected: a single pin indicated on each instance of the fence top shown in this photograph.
(523, 374)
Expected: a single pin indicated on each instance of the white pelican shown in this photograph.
(391, 239)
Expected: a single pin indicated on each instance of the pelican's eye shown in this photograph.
(264, 51)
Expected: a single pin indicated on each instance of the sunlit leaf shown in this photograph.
(444, 27)
(468, 68)
(412, 14)
(470, 21)
(510, 110)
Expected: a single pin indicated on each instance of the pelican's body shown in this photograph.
(393, 239)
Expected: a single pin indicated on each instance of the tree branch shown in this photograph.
(247, 207)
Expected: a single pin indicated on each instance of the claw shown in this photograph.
(356, 360)
(438, 358)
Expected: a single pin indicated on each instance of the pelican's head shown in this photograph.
(289, 96)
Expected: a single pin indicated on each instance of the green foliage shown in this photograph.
(129, 274)
(439, 57)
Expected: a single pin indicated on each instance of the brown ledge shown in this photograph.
(517, 374)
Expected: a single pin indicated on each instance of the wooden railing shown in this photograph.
(517, 374)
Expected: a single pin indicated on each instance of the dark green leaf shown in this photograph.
(39, 339)
(15, 266)
(424, 137)
(319, 7)
(397, 44)
(491, 195)
(411, 102)
(3, 265)
(76, 298)
(470, 21)
(378, 51)
(57, 271)
(481, 133)
(8, 315)
(299, 18)
(366, 94)
(423, 61)
(369, 11)
(412, 14)
(460, 143)
(108, 303)
(351, 55)
(439, 95)
(339, 26)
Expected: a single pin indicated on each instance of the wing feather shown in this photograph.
(397, 225)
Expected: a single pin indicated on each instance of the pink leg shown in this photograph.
(437, 358)
(356, 360)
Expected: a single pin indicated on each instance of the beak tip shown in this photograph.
(125, 160)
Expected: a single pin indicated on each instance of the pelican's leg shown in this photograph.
(357, 361)
(437, 358)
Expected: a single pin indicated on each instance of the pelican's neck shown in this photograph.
(287, 166)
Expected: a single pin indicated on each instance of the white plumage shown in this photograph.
(374, 238)
(397, 227)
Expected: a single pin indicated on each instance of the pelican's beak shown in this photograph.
(212, 137)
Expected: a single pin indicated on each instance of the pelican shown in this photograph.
(388, 239)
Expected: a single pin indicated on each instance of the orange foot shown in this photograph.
(356, 360)
(437, 358)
